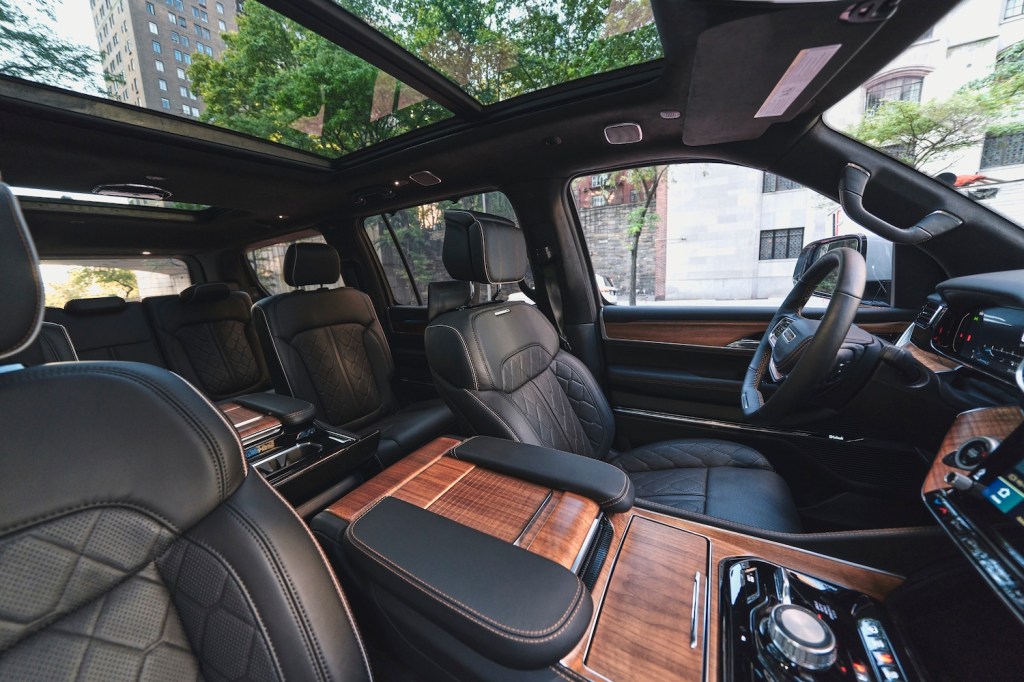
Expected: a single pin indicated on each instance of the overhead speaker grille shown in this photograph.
(425, 178)
(623, 133)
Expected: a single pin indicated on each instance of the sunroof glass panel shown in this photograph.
(500, 49)
(244, 68)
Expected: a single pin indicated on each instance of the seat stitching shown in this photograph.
(494, 414)
(433, 593)
(621, 493)
(273, 345)
(465, 347)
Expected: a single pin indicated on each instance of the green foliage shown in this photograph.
(88, 281)
(646, 180)
(30, 50)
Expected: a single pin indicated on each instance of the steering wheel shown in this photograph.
(797, 354)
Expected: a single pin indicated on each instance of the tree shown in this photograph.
(89, 281)
(643, 216)
(30, 50)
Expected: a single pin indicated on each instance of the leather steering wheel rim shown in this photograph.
(816, 360)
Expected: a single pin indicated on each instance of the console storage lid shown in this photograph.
(291, 411)
(510, 605)
(599, 481)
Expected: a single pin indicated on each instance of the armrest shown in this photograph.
(603, 483)
(512, 606)
(290, 411)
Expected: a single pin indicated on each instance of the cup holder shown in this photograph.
(284, 458)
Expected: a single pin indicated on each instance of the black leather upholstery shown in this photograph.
(21, 305)
(134, 546)
(309, 263)
(607, 485)
(108, 328)
(291, 411)
(501, 369)
(445, 296)
(482, 603)
(327, 347)
(51, 345)
(207, 337)
(479, 247)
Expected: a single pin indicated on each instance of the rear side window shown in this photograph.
(267, 264)
(130, 278)
(408, 243)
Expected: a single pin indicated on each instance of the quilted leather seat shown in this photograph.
(206, 335)
(134, 544)
(327, 347)
(508, 377)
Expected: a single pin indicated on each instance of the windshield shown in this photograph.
(952, 105)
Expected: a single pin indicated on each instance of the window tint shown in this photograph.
(707, 234)
(130, 278)
(419, 231)
(267, 263)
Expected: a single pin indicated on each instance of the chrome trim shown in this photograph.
(693, 610)
(259, 435)
(1019, 377)
(533, 518)
(578, 561)
(249, 421)
(281, 453)
(732, 426)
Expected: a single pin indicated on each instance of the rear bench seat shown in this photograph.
(108, 328)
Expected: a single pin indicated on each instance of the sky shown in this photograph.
(74, 23)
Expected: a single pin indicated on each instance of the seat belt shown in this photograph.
(549, 276)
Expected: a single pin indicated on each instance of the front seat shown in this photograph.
(327, 347)
(502, 371)
(134, 543)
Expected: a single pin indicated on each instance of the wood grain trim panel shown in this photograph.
(643, 629)
(885, 328)
(491, 503)
(559, 534)
(725, 544)
(932, 361)
(996, 422)
(689, 332)
(249, 423)
(392, 478)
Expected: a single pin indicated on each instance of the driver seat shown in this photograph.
(500, 367)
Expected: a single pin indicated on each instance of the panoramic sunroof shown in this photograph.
(82, 198)
(251, 71)
(500, 49)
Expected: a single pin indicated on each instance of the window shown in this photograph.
(1014, 8)
(905, 88)
(150, 9)
(175, 38)
(711, 234)
(183, 91)
(779, 244)
(200, 47)
(220, 8)
(203, 16)
(186, 109)
(177, 55)
(153, 29)
(267, 263)
(162, 84)
(420, 235)
(156, 46)
(221, 25)
(159, 65)
(188, 59)
(184, 41)
(209, 51)
(195, 11)
(1003, 150)
(598, 200)
(181, 74)
(599, 180)
(777, 183)
(130, 278)
(172, 18)
(165, 103)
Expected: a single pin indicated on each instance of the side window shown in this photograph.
(709, 234)
(268, 264)
(408, 243)
(130, 278)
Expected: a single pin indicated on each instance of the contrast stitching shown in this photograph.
(494, 414)
(469, 358)
(99, 504)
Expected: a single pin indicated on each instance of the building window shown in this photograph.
(220, 8)
(778, 244)
(188, 59)
(777, 183)
(221, 25)
(195, 11)
(165, 103)
(186, 109)
(900, 88)
(1014, 8)
(200, 47)
(153, 29)
(184, 41)
(159, 66)
(162, 84)
(599, 180)
(150, 9)
(156, 46)
(209, 51)
(181, 74)
(597, 200)
(203, 16)
(177, 55)
(1003, 150)
(175, 38)
(183, 91)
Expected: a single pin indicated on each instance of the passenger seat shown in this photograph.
(206, 337)
(108, 328)
(327, 347)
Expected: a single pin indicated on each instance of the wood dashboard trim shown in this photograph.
(712, 333)
(995, 422)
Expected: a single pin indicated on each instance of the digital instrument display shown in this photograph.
(1006, 492)
(992, 339)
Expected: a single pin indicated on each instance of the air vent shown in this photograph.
(930, 314)
(623, 133)
(133, 191)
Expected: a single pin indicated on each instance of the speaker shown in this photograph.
(623, 133)
(425, 178)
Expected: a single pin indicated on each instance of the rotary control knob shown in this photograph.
(801, 637)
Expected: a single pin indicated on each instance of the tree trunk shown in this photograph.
(632, 268)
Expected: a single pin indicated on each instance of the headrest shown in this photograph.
(310, 263)
(205, 293)
(104, 305)
(479, 247)
(445, 296)
(21, 306)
